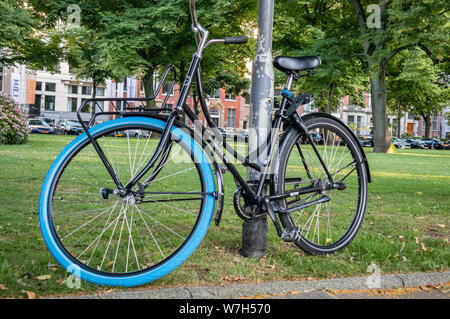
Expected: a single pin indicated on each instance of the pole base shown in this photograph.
(254, 238)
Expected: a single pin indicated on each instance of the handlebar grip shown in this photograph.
(236, 40)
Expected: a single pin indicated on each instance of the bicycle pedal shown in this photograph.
(290, 234)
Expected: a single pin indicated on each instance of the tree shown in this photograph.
(142, 37)
(25, 39)
(428, 94)
(146, 36)
(393, 27)
(85, 56)
(320, 29)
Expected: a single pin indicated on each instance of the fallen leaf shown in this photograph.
(43, 277)
(2, 287)
(230, 278)
(310, 278)
(426, 287)
(423, 247)
(441, 225)
(30, 294)
(420, 193)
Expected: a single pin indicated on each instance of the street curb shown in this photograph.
(278, 288)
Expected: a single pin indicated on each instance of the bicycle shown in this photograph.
(130, 199)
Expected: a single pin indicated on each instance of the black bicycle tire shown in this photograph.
(288, 144)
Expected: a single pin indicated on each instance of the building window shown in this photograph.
(230, 96)
(350, 119)
(411, 116)
(358, 125)
(49, 102)
(434, 123)
(100, 92)
(38, 86)
(86, 108)
(50, 87)
(216, 94)
(72, 104)
(215, 116)
(166, 87)
(86, 90)
(231, 118)
(73, 89)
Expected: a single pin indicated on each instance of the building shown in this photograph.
(46, 94)
(59, 95)
(439, 126)
(227, 110)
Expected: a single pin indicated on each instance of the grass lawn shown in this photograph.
(406, 228)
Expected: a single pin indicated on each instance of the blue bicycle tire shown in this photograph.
(167, 265)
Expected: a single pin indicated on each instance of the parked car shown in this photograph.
(39, 126)
(368, 140)
(416, 143)
(49, 121)
(70, 127)
(137, 133)
(365, 141)
(434, 144)
(447, 145)
(398, 143)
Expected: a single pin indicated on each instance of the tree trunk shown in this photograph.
(94, 94)
(147, 81)
(329, 105)
(399, 115)
(380, 122)
(427, 119)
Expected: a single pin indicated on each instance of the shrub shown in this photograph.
(406, 135)
(13, 123)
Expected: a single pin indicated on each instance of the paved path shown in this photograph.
(403, 286)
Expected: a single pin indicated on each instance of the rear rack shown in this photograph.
(130, 103)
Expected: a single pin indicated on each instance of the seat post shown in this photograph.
(289, 81)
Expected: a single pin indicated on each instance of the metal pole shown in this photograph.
(254, 234)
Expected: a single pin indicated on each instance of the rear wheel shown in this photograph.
(328, 226)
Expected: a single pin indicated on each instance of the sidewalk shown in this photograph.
(416, 285)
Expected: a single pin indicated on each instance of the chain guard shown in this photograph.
(245, 212)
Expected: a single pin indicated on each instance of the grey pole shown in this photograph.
(254, 234)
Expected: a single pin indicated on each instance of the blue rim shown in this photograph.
(167, 265)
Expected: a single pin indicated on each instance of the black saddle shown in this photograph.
(288, 64)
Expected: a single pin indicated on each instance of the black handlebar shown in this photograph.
(236, 40)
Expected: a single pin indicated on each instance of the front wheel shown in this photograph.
(328, 226)
(126, 240)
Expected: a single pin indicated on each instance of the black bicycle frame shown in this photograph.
(253, 195)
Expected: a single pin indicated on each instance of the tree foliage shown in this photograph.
(25, 39)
